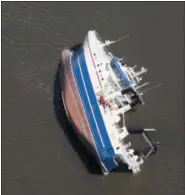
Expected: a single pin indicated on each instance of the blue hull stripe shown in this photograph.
(106, 153)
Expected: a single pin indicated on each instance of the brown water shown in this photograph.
(38, 155)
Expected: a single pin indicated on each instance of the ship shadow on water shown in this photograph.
(86, 157)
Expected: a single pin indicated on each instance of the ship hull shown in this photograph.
(89, 74)
(72, 101)
(79, 109)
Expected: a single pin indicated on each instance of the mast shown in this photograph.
(108, 42)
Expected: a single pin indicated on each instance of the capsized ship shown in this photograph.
(98, 89)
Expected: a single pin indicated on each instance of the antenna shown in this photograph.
(123, 37)
(135, 66)
(157, 86)
(149, 129)
(108, 42)
(142, 85)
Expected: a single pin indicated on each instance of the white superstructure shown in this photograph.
(118, 89)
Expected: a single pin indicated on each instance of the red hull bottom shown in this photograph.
(72, 100)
